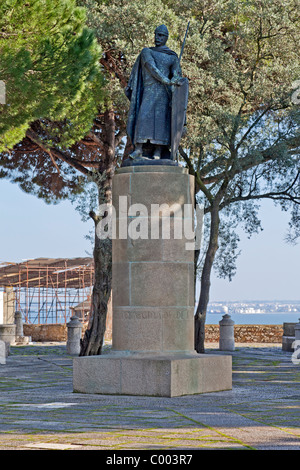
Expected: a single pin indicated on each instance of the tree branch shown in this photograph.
(57, 153)
(248, 162)
(251, 127)
(279, 195)
(192, 171)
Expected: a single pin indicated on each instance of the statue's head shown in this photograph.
(161, 35)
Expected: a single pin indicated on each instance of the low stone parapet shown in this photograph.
(247, 333)
(242, 333)
(46, 332)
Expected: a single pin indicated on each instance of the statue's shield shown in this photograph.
(179, 104)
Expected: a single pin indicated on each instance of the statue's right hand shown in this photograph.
(166, 81)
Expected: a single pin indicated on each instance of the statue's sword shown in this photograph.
(178, 104)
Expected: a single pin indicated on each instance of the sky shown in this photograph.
(267, 269)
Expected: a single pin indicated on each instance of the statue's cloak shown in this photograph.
(135, 88)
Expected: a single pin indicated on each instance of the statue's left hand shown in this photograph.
(176, 81)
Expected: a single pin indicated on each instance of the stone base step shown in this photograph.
(152, 375)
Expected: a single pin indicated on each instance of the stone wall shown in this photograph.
(248, 333)
(242, 333)
(54, 332)
(48, 332)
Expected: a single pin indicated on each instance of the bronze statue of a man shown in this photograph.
(155, 72)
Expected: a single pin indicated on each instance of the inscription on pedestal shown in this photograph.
(140, 315)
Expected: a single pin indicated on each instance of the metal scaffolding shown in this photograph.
(49, 290)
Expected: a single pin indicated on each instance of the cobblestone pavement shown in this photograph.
(38, 409)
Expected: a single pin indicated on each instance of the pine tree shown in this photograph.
(49, 63)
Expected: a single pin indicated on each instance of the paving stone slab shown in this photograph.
(38, 406)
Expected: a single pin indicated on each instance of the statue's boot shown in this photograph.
(138, 152)
(157, 152)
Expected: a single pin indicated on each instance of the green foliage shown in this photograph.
(49, 62)
(238, 55)
(241, 58)
(123, 28)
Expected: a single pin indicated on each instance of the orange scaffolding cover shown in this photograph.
(48, 272)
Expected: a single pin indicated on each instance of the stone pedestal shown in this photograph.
(153, 278)
(8, 306)
(153, 294)
(8, 333)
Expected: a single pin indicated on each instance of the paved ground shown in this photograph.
(38, 409)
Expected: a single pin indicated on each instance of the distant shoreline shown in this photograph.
(268, 318)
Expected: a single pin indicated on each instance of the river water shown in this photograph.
(277, 318)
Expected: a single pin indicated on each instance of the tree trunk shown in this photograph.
(200, 316)
(92, 342)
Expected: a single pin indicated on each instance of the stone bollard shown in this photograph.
(296, 344)
(19, 324)
(288, 336)
(226, 342)
(74, 336)
(2, 352)
(297, 332)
